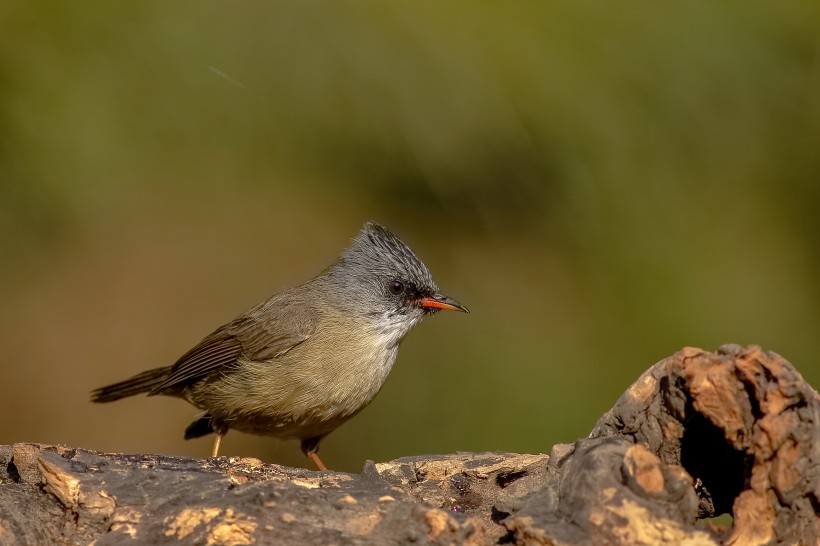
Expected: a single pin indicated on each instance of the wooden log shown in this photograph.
(699, 434)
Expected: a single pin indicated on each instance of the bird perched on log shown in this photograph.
(303, 362)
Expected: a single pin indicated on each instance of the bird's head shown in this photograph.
(381, 278)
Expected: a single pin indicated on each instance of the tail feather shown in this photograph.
(200, 427)
(143, 382)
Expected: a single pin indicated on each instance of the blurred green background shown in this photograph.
(601, 184)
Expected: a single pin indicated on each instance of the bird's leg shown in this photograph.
(220, 433)
(310, 447)
(314, 456)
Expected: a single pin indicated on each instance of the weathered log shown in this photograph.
(699, 434)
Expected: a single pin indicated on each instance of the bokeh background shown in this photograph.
(601, 184)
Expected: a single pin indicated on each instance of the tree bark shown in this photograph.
(699, 434)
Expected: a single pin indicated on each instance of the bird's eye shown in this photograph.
(395, 287)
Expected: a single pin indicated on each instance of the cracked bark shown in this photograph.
(697, 435)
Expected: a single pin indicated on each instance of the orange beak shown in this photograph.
(440, 301)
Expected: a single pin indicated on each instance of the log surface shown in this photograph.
(699, 434)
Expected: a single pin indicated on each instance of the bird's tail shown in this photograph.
(143, 382)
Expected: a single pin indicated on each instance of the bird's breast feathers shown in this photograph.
(319, 383)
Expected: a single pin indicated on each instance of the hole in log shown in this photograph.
(11, 470)
(722, 469)
(506, 478)
(497, 515)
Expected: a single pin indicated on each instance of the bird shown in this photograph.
(304, 361)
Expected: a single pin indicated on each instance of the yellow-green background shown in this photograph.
(601, 183)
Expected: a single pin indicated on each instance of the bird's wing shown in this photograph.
(265, 332)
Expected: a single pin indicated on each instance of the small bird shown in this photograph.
(309, 358)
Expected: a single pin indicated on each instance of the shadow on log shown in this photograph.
(699, 434)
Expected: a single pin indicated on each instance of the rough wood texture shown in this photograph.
(699, 434)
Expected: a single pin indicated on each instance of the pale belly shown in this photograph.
(299, 395)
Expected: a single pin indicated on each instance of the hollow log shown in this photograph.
(698, 435)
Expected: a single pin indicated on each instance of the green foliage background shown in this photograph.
(600, 183)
